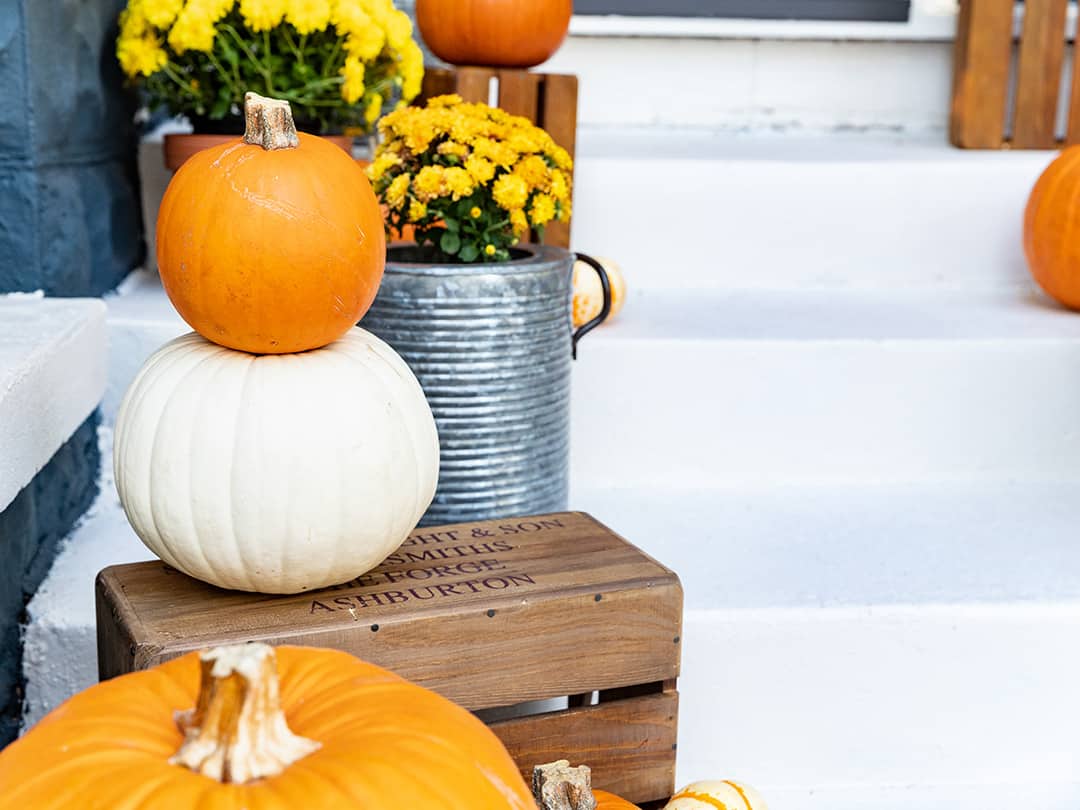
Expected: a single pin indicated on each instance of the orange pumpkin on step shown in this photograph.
(273, 243)
(496, 33)
(336, 734)
(1052, 229)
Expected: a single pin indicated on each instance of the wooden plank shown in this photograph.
(519, 93)
(558, 116)
(437, 82)
(489, 614)
(474, 83)
(1042, 51)
(981, 74)
(629, 744)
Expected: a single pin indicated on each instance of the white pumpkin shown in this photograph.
(275, 473)
(710, 794)
(588, 298)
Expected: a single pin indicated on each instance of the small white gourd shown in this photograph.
(714, 793)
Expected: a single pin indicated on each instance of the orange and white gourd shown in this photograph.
(275, 473)
(589, 293)
(305, 463)
(714, 794)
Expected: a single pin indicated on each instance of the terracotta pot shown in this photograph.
(179, 147)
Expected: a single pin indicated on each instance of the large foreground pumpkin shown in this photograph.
(352, 735)
(1052, 229)
(273, 243)
(275, 473)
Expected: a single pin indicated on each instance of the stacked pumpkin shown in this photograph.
(278, 448)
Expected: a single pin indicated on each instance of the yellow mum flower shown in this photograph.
(518, 221)
(489, 249)
(374, 108)
(262, 15)
(475, 212)
(429, 183)
(419, 136)
(382, 164)
(447, 100)
(458, 182)
(161, 13)
(453, 148)
(394, 196)
(565, 209)
(479, 169)
(510, 192)
(412, 70)
(542, 210)
(193, 30)
(140, 56)
(133, 22)
(308, 15)
(560, 186)
(398, 29)
(353, 86)
(533, 171)
(498, 153)
(349, 17)
(365, 40)
(417, 211)
(562, 158)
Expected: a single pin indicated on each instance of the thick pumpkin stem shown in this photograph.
(268, 123)
(237, 733)
(557, 786)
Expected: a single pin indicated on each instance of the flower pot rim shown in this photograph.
(536, 256)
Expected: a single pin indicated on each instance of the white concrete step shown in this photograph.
(52, 375)
(685, 209)
(843, 648)
(730, 388)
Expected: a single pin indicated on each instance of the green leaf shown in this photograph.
(469, 252)
(453, 225)
(450, 242)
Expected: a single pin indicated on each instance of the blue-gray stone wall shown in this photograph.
(31, 528)
(70, 215)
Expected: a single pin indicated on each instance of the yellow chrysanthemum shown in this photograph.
(353, 86)
(419, 136)
(560, 186)
(475, 212)
(161, 13)
(565, 209)
(308, 15)
(193, 29)
(498, 153)
(489, 249)
(365, 40)
(412, 70)
(398, 29)
(394, 196)
(140, 56)
(373, 108)
(458, 182)
(518, 221)
(382, 164)
(562, 158)
(417, 211)
(453, 148)
(479, 169)
(445, 100)
(349, 16)
(542, 210)
(429, 183)
(533, 171)
(510, 192)
(262, 15)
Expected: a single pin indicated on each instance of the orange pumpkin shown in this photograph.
(272, 243)
(499, 33)
(609, 801)
(1052, 229)
(356, 736)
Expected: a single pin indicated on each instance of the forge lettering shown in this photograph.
(421, 593)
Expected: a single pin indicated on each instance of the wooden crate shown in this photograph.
(549, 100)
(1007, 96)
(492, 615)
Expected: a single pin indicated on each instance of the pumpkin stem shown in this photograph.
(557, 786)
(237, 733)
(269, 123)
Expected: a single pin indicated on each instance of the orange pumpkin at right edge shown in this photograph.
(495, 33)
(1052, 229)
(273, 243)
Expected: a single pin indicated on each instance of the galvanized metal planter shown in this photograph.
(491, 345)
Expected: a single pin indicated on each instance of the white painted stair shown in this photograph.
(837, 407)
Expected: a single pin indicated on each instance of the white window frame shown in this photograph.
(930, 20)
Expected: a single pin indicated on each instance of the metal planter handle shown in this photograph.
(605, 285)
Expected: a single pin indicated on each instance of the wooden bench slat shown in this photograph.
(981, 74)
(1042, 52)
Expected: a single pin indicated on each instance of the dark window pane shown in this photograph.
(873, 10)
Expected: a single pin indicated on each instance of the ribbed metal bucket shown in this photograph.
(491, 346)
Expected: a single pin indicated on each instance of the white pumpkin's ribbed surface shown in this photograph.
(714, 794)
(275, 473)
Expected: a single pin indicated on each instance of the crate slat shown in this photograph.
(1042, 52)
(983, 52)
(629, 744)
(474, 83)
(559, 118)
(519, 91)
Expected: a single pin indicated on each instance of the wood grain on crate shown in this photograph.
(987, 77)
(549, 100)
